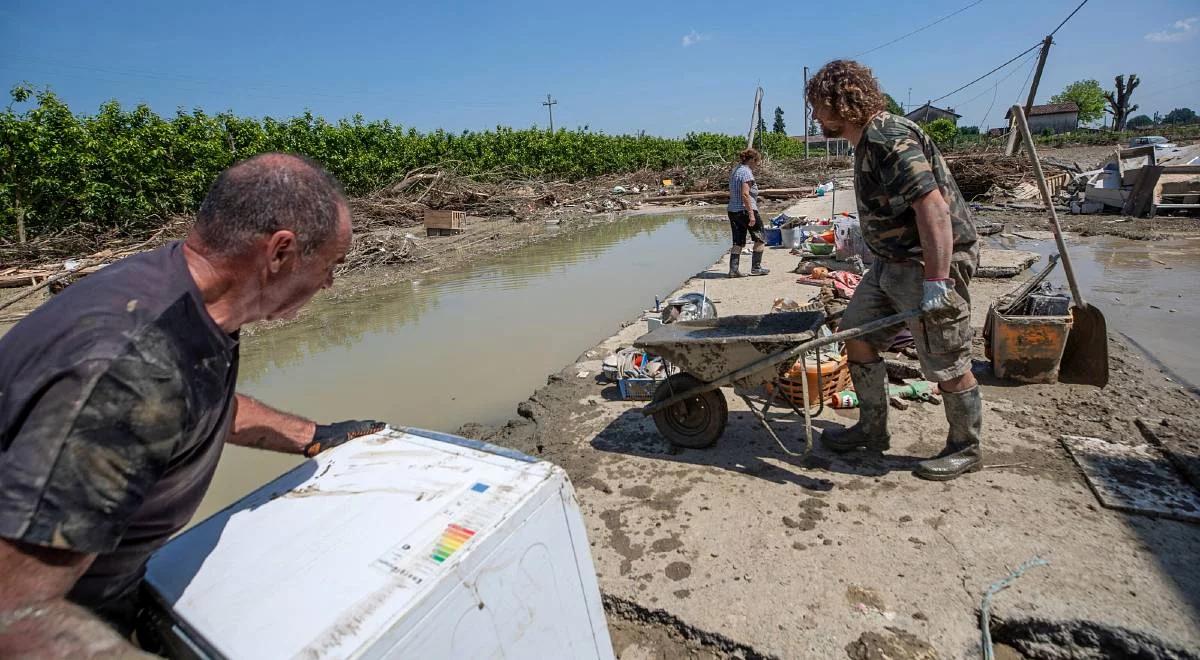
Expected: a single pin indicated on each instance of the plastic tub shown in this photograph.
(1027, 349)
(773, 236)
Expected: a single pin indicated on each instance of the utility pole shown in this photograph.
(1033, 88)
(909, 107)
(806, 112)
(550, 103)
(755, 116)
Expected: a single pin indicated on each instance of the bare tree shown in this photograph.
(1118, 100)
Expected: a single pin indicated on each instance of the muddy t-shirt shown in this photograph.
(115, 399)
(895, 164)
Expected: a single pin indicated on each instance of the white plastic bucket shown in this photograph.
(791, 237)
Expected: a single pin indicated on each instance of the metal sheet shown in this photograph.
(1134, 478)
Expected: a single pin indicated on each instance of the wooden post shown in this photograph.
(806, 112)
(1033, 88)
(20, 218)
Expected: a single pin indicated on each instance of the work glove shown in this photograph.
(938, 298)
(328, 436)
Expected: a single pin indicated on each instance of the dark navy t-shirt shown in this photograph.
(116, 397)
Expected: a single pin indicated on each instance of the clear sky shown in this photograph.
(664, 67)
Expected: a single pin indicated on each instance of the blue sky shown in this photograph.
(666, 68)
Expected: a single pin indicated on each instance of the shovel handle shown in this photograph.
(1019, 113)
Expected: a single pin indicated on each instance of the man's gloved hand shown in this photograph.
(332, 435)
(937, 298)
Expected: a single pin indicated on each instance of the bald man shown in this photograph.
(117, 396)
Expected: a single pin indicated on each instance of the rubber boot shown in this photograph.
(964, 411)
(756, 264)
(871, 433)
(734, 261)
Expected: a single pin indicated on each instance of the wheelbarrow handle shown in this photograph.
(781, 356)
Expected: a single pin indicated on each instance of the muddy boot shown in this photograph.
(964, 411)
(870, 383)
(756, 265)
(734, 261)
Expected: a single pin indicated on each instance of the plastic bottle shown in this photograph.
(844, 399)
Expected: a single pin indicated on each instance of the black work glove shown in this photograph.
(328, 436)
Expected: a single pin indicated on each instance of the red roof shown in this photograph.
(1051, 109)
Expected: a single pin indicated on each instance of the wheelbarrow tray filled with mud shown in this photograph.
(743, 351)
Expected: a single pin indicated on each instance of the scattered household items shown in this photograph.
(789, 305)
(688, 307)
(1085, 357)
(1134, 478)
(821, 249)
(773, 236)
(635, 372)
(998, 263)
(825, 379)
(848, 240)
(443, 223)
(746, 352)
(843, 282)
(387, 576)
(922, 390)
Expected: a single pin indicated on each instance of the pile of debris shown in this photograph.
(1140, 182)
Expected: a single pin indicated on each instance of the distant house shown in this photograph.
(928, 113)
(1053, 117)
(836, 146)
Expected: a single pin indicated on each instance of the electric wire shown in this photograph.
(920, 29)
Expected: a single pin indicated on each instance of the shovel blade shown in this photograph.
(1085, 357)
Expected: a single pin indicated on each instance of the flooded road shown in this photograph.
(465, 346)
(1147, 291)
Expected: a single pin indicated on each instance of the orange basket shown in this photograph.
(835, 377)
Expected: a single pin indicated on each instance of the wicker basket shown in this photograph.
(835, 377)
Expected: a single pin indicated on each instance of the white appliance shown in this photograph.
(406, 543)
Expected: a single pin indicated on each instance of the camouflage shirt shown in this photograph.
(895, 164)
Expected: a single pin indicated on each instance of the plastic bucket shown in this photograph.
(791, 237)
(773, 236)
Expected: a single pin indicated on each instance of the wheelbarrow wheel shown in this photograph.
(696, 422)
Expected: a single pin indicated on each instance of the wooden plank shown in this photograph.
(1141, 201)
(1181, 169)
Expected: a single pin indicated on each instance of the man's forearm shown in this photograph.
(260, 426)
(937, 236)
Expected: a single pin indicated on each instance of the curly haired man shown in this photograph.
(919, 227)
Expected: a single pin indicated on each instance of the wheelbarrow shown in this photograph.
(745, 352)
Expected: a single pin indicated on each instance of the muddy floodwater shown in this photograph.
(1147, 290)
(463, 346)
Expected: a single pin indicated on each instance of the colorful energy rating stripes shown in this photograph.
(452, 539)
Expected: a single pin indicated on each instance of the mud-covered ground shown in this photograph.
(742, 550)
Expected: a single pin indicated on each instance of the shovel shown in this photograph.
(1085, 358)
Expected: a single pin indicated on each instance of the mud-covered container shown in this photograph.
(1027, 349)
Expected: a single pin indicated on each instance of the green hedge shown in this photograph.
(125, 169)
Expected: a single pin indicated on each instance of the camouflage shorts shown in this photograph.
(944, 344)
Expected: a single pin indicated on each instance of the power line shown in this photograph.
(1019, 56)
(1069, 17)
(1064, 22)
(996, 88)
(920, 29)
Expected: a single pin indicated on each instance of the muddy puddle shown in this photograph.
(1147, 291)
(465, 346)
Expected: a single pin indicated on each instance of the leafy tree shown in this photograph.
(1088, 95)
(1118, 100)
(892, 106)
(943, 131)
(779, 126)
(1140, 121)
(1180, 116)
(969, 130)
